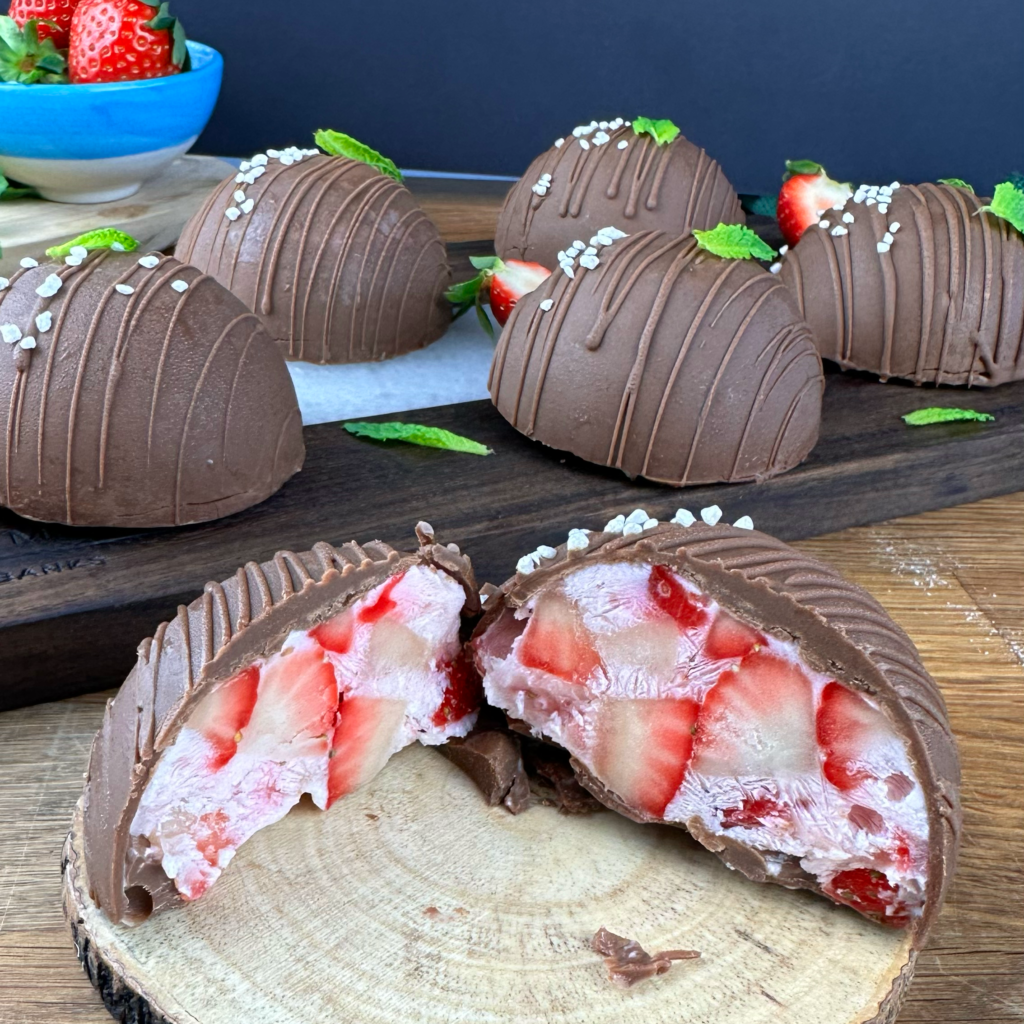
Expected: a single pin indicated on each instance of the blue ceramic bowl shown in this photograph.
(95, 143)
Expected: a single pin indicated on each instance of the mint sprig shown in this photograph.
(26, 58)
(416, 433)
(1008, 203)
(938, 414)
(339, 144)
(9, 191)
(101, 238)
(956, 183)
(662, 130)
(734, 242)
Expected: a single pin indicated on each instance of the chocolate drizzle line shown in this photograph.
(944, 304)
(336, 258)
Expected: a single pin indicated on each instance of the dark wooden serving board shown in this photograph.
(74, 603)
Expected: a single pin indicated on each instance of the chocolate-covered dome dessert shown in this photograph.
(640, 175)
(914, 281)
(298, 676)
(711, 677)
(332, 252)
(138, 392)
(648, 353)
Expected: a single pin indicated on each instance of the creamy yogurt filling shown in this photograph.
(320, 716)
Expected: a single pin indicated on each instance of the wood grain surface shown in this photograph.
(954, 579)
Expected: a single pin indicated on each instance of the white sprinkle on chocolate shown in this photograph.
(28, 263)
(775, 268)
(546, 304)
(882, 246)
(179, 285)
(631, 529)
(590, 262)
(527, 564)
(783, 249)
(232, 213)
(239, 196)
(4, 283)
(883, 207)
(568, 271)
(711, 514)
(848, 218)
(823, 224)
(744, 523)
(650, 524)
(149, 262)
(638, 515)
(117, 247)
(612, 233)
(259, 160)
(78, 250)
(887, 237)
(838, 230)
(248, 205)
(584, 144)
(558, 143)
(546, 551)
(124, 289)
(894, 226)
(684, 517)
(578, 540)
(27, 343)
(73, 261)
(10, 333)
(49, 287)
(622, 145)
(44, 321)
(615, 525)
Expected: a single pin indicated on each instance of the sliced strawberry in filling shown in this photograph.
(320, 716)
(685, 712)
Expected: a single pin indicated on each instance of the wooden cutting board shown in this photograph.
(411, 900)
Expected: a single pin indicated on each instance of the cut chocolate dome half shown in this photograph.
(714, 678)
(298, 676)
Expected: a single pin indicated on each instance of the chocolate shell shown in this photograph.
(335, 257)
(139, 393)
(232, 625)
(663, 361)
(913, 281)
(768, 591)
(607, 174)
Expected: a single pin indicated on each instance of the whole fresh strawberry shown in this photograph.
(502, 282)
(806, 193)
(27, 58)
(122, 40)
(53, 17)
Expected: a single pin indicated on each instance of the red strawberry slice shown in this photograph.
(847, 729)
(871, 893)
(381, 602)
(672, 598)
(298, 697)
(754, 812)
(335, 634)
(757, 720)
(806, 193)
(642, 749)
(223, 715)
(361, 743)
(557, 642)
(730, 638)
(54, 17)
(503, 282)
(463, 693)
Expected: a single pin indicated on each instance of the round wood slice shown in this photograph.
(411, 900)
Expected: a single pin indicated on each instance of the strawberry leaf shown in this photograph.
(802, 167)
(938, 414)
(485, 320)
(661, 131)
(339, 144)
(415, 433)
(470, 294)
(956, 183)
(1008, 203)
(734, 242)
(101, 238)
(26, 58)
(9, 191)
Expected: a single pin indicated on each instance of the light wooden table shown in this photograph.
(954, 579)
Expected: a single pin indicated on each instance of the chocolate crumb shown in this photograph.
(432, 912)
(373, 817)
(628, 962)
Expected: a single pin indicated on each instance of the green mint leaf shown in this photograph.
(956, 183)
(464, 291)
(101, 238)
(1008, 203)
(339, 144)
(802, 167)
(734, 242)
(661, 131)
(938, 414)
(762, 206)
(415, 433)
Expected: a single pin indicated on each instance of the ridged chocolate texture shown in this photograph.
(228, 627)
(841, 630)
(665, 362)
(943, 304)
(158, 407)
(674, 188)
(337, 259)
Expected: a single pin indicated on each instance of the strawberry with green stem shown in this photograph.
(806, 193)
(53, 18)
(27, 55)
(502, 282)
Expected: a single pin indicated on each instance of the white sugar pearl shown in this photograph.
(248, 205)
(638, 515)
(558, 143)
(239, 178)
(545, 551)
(239, 196)
(273, 154)
(572, 252)
(612, 232)
(622, 145)
(10, 333)
(117, 247)
(28, 263)
(711, 514)
(232, 213)
(73, 261)
(823, 224)
(44, 321)
(27, 343)
(838, 230)
(149, 262)
(631, 529)
(245, 165)
(883, 207)
(848, 218)
(179, 285)
(578, 245)
(869, 201)
(4, 283)
(590, 262)
(584, 144)
(78, 250)
(260, 159)
(546, 304)
(894, 226)
(684, 517)
(49, 287)
(783, 250)
(590, 250)
(650, 524)
(744, 523)
(775, 268)
(615, 525)
(578, 540)
(882, 246)
(887, 237)
(885, 190)
(124, 289)
(567, 269)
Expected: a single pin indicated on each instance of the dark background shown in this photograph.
(907, 89)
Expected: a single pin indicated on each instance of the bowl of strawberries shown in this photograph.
(99, 96)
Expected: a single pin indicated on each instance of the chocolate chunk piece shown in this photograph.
(913, 281)
(663, 361)
(492, 760)
(336, 257)
(611, 176)
(628, 962)
(714, 678)
(139, 392)
(300, 675)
